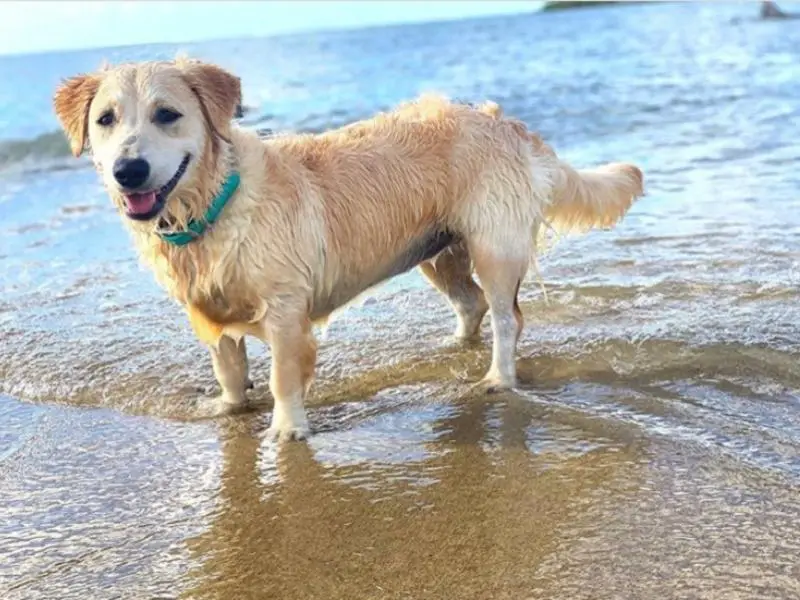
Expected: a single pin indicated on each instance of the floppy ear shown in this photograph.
(219, 92)
(71, 102)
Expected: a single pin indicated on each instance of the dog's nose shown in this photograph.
(131, 172)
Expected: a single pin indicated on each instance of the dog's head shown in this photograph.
(148, 126)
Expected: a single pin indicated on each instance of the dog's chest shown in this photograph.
(224, 308)
(212, 314)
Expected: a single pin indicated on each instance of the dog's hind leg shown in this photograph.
(451, 273)
(229, 359)
(500, 270)
(294, 355)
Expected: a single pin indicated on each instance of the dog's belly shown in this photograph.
(212, 316)
(344, 291)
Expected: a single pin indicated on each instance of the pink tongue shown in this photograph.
(140, 203)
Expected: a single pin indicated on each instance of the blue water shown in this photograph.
(577, 76)
(651, 451)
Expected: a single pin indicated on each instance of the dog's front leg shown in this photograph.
(229, 359)
(294, 354)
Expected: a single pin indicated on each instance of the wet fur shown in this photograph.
(320, 219)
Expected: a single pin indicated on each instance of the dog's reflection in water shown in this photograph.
(472, 521)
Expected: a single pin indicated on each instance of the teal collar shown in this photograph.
(196, 228)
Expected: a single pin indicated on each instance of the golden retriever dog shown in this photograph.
(266, 238)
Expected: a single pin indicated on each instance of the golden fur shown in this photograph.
(320, 219)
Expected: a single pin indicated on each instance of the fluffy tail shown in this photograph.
(582, 199)
(592, 198)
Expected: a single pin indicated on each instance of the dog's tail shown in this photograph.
(582, 199)
(586, 199)
(597, 198)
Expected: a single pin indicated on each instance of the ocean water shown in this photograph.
(651, 451)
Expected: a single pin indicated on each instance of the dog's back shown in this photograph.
(396, 189)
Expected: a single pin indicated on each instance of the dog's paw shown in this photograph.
(288, 425)
(458, 342)
(492, 384)
(467, 333)
(287, 434)
(219, 407)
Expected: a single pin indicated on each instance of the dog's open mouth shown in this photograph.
(143, 206)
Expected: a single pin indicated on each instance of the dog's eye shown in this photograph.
(165, 116)
(106, 119)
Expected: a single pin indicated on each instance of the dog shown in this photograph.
(266, 238)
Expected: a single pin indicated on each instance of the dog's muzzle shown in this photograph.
(143, 206)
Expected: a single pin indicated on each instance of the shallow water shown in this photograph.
(652, 450)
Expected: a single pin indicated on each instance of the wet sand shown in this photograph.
(407, 497)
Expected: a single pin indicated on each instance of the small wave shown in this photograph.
(45, 153)
(48, 145)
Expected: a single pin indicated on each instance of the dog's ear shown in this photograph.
(71, 102)
(219, 92)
